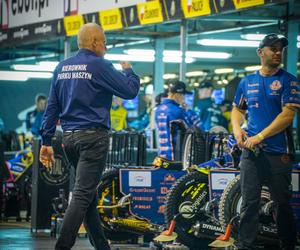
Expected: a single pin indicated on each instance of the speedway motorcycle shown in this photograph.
(18, 183)
(204, 202)
(131, 199)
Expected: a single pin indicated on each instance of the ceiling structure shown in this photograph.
(262, 20)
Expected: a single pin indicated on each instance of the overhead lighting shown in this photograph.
(170, 59)
(22, 76)
(227, 43)
(169, 76)
(45, 75)
(119, 45)
(41, 66)
(253, 68)
(224, 71)
(132, 58)
(212, 55)
(12, 76)
(195, 73)
(196, 84)
(178, 53)
(253, 36)
(259, 36)
(144, 58)
(145, 52)
(51, 64)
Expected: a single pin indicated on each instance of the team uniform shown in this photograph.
(34, 121)
(264, 97)
(81, 96)
(167, 115)
(118, 116)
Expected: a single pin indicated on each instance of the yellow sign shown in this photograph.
(72, 24)
(150, 12)
(193, 8)
(240, 4)
(111, 19)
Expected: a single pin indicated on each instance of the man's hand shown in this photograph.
(47, 156)
(125, 65)
(239, 135)
(252, 141)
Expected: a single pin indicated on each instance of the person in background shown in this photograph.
(34, 118)
(81, 96)
(169, 113)
(226, 107)
(118, 114)
(204, 102)
(271, 96)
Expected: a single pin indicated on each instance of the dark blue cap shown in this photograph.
(178, 87)
(270, 39)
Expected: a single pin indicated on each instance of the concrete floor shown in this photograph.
(17, 236)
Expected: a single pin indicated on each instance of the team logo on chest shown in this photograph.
(275, 85)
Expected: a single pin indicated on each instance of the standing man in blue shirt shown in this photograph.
(81, 96)
(170, 113)
(271, 96)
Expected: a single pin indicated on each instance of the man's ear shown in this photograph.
(94, 42)
(259, 52)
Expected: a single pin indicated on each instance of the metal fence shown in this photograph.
(126, 148)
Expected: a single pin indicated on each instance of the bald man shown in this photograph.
(81, 96)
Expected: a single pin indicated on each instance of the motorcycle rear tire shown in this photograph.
(106, 187)
(193, 149)
(175, 200)
(230, 205)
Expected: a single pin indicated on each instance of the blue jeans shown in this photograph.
(87, 151)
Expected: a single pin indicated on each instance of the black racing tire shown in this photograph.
(231, 202)
(108, 185)
(181, 197)
(193, 148)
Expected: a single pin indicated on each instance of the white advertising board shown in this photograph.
(23, 12)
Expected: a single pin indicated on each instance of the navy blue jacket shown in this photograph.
(81, 93)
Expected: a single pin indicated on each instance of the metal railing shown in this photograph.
(126, 148)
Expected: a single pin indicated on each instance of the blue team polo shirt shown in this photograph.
(264, 97)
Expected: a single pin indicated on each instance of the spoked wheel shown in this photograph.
(231, 204)
(187, 194)
(109, 194)
(194, 146)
